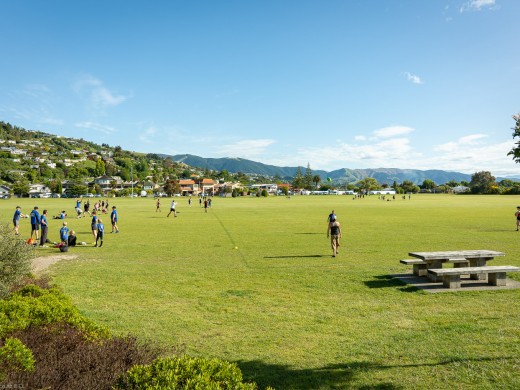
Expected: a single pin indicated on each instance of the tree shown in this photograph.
(368, 184)
(307, 179)
(515, 152)
(298, 179)
(100, 167)
(21, 187)
(316, 180)
(409, 186)
(482, 182)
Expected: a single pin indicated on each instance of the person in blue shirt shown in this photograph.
(45, 228)
(100, 232)
(113, 219)
(16, 219)
(64, 234)
(93, 224)
(35, 222)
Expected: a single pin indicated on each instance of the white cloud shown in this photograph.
(413, 78)
(246, 148)
(99, 96)
(360, 138)
(469, 140)
(477, 5)
(96, 127)
(392, 131)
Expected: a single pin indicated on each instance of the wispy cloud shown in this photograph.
(392, 131)
(414, 79)
(98, 95)
(246, 148)
(96, 127)
(477, 5)
(148, 134)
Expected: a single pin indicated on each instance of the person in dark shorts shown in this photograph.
(16, 219)
(113, 218)
(93, 224)
(172, 209)
(35, 222)
(334, 231)
(517, 215)
(45, 228)
(100, 233)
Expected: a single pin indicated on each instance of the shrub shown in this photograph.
(67, 359)
(184, 373)
(15, 356)
(33, 305)
(15, 259)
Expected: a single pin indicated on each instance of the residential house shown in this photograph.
(188, 187)
(207, 186)
(39, 190)
(108, 183)
(4, 191)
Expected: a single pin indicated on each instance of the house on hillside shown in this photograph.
(108, 183)
(39, 191)
(207, 186)
(188, 187)
(5, 191)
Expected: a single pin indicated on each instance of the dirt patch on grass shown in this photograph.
(40, 264)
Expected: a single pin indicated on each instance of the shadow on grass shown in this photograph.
(383, 281)
(293, 257)
(308, 233)
(333, 375)
(284, 377)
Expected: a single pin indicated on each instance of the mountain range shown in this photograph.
(339, 176)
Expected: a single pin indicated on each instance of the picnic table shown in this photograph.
(475, 258)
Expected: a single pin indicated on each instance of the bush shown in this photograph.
(15, 259)
(15, 356)
(67, 359)
(33, 305)
(184, 373)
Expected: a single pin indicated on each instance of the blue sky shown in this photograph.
(336, 84)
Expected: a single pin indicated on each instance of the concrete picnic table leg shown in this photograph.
(434, 265)
(478, 262)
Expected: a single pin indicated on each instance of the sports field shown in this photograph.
(281, 307)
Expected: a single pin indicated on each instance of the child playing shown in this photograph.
(100, 232)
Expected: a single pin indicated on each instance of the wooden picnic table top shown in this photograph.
(445, 255)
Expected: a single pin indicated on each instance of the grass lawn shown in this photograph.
(281, 307)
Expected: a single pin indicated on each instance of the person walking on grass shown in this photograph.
(101, 233)
(331, 216)
(35, 222)
(113, 218)
(517, 215)
(93, 224)
(334, 231)
(172, 209)
(45, 228)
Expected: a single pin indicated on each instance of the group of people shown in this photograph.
(40, 226)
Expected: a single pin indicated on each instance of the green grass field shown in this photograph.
(281, 307)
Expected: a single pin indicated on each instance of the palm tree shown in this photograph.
(316, 180)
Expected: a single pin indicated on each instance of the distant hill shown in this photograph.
(344, 175)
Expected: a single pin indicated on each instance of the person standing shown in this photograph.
(64, 234)
(35, 222)
(172, 209)
(205, 205)
(16, 220)
(101, 233)
(93, 224)
(158, 205)
(331, 216)
(45, 228)
(517, 215)
(86, 207)
(113, 218)
(334, 231)
(189, 201)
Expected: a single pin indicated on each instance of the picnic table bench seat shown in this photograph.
(451, 276)
(420, 267)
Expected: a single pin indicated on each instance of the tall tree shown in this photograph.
(316, 179)
(481, 182)
(307, 179)
(515, 152)
(298, 179)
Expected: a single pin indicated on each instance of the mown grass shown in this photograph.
(292, 316)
